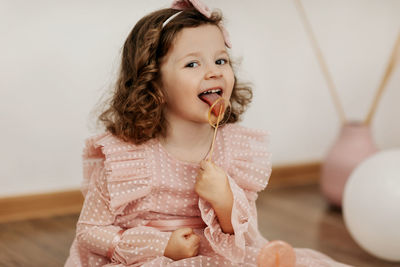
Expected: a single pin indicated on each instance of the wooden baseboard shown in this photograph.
(40, 205)
(295, 175)
(68, 202)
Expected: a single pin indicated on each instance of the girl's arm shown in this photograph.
(228, 211)
(223, 210)
(249, 169)
(212, 185)
(97, 232)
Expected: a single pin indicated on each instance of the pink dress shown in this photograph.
(133, 187)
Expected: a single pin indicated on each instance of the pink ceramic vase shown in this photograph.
(354, 144)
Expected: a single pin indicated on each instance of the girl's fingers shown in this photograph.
(187, 231)
(198, 177)
(205, 164)
(196, 251)
(194, 239)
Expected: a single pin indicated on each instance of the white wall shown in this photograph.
(58, 57)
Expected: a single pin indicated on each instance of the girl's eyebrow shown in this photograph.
(196, 54)
(222, 52)
(193, 54)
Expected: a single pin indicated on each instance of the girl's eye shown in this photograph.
(221, 61)
(192, 65)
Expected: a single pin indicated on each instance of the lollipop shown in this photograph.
(219, 112)
(217, 115)
(276, 253)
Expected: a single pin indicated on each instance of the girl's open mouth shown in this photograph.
(210, 96)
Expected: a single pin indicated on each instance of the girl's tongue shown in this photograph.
(210, 99)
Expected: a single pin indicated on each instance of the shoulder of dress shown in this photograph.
(127, 168)
(238, 133)
(249, 162)
(107, 144)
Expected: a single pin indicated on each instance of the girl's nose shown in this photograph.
(213, 72)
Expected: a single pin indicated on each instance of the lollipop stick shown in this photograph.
(215, 133)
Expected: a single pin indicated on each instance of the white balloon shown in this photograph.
(371, 205)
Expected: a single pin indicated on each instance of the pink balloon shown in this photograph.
(276, 253)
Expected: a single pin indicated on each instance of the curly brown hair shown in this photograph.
(135, 111)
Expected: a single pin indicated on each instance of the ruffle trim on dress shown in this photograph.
(230, 246)
(128, 172)
(248, 169)
(249, 158)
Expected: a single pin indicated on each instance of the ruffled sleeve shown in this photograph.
(115, 174)
(250, 159)
(126, 167)
(248, 170)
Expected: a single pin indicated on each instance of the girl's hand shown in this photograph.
(182, 244)
(212, 184)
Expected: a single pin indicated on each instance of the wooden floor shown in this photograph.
(297, 215)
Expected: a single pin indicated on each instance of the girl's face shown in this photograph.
(196, 62)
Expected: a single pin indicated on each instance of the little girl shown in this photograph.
(152, 196)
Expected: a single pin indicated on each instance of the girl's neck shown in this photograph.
(188, 141)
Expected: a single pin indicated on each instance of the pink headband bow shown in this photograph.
(203, 9)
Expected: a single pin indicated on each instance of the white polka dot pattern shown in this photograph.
(126, 186)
